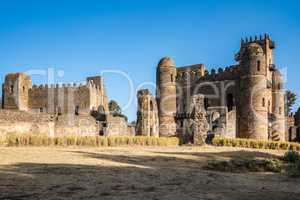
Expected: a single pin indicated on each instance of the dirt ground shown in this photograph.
(135, 173)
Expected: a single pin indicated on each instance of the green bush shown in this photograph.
(293, 170)
(93, 141)
(291, 156)
(257, 144)
(238, 165)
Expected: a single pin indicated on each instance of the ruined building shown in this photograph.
(147, 115)
(58, 109)
(244, 100)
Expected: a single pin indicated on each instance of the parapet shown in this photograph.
(261, 39)
(229, 73)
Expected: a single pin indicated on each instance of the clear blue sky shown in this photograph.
(83, 38)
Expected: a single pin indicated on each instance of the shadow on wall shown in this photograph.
(161, 176)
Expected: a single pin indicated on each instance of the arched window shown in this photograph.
(264, 102)
(258, 65)
(41, 110)
(172, 78)
(23, 88)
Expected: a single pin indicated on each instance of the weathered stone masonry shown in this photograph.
(245, 100)
(58, 109)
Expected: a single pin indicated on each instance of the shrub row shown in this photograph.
(94, 141)
(256, 144)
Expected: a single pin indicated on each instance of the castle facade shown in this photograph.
(245, 100)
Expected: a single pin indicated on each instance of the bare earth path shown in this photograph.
(135, 173)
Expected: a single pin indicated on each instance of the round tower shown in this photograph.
(278, 108)
(254, 95)
(166, 96)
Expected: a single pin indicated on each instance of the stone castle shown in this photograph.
(58, 109)
(245, 100)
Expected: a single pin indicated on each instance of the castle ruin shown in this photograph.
(245, 100)
(58, 109)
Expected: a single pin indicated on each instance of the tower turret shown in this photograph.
(166, 96)
(254, 96)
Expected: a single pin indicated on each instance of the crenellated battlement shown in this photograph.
(73, 86)
(260, 39)
(230, 72)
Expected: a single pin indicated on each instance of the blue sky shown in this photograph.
(83, 38)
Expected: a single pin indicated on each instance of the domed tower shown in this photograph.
(254, 95)
(278, 107)
(166, 96)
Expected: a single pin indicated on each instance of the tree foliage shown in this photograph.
(114, 107)
(290, 100)
(116, 110)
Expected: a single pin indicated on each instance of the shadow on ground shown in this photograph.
(159, 176)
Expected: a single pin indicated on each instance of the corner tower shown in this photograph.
(166, 96)
(254, 96)
(15, 91)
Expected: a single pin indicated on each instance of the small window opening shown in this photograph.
(280, 110)
(172, 78)
(77, 110)
(11, 89)
(230, 101)
(206, 103)
(59, 111)
(151, 106)
(263, 102)
(41, 110)
(258, 65)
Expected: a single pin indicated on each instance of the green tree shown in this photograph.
(114, 107)
(116, 110)
(290, 100)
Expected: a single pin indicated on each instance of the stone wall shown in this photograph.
(25, 122)
(59, 99)
(118, 126)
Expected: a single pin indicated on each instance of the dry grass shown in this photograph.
(12, 140)
(136, 173)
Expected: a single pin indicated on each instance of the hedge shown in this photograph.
(256, 144)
